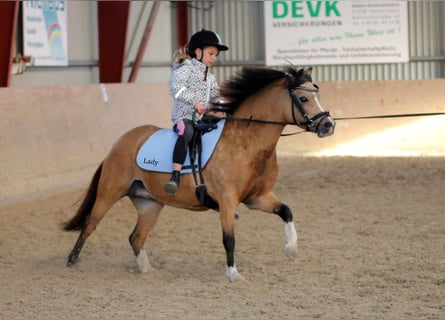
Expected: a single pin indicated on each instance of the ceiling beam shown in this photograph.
(182, 21)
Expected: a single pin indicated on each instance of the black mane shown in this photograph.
(250, 80)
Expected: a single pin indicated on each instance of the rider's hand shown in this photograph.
(200, 108)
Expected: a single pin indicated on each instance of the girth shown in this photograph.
(206, 124)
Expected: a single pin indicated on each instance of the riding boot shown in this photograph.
(172, 186)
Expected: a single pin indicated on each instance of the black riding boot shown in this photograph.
(172, 186)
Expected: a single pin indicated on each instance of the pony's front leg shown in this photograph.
(269, 203)
(228, 228)
(231, 271)
(290, 248)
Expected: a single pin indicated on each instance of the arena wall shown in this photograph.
(53, 138)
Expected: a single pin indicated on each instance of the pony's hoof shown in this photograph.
(237, 278)
(290, 250)
(146, 269)
(233, 275)
(143, 263)
(72, 259)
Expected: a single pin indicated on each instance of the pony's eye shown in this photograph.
(303, 99)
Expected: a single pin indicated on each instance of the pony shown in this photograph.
(258, 103)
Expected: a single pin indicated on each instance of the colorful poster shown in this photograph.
(45, 32)
(336, 32)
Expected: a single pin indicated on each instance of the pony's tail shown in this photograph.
(79, 220)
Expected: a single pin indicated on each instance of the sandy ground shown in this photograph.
(371, 246)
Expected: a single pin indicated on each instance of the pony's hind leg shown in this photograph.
(101, 206)
(148, 212)
(104, 191)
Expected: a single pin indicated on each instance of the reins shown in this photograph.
(249, 120)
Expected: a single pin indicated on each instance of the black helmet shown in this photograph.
(203, 39)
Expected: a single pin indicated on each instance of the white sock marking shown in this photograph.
(291, 233)
(142, 260)
(233, 275)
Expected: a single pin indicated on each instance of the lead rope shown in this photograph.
(427, 114)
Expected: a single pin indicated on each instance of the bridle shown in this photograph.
(308, 123)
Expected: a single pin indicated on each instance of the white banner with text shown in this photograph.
(336, 32)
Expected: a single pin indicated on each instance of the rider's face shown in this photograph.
(208, 55)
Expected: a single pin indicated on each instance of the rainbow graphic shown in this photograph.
(54, 33)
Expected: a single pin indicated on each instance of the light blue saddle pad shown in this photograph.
(156, 154)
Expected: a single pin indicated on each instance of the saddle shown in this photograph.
(155, 153)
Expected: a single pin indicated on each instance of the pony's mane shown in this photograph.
(250, 80)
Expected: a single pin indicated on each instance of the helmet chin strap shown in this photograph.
(200, 60)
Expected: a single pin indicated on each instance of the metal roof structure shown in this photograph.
(122, 48)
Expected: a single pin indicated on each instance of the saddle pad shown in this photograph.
(156, 154)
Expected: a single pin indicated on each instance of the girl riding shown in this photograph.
(193, 88)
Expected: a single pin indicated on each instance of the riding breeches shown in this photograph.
(185, 130)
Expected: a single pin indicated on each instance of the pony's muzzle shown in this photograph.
(325, 127)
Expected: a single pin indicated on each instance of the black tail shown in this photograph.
(79, 220)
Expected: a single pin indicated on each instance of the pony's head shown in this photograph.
(305, 108)
(304, 96)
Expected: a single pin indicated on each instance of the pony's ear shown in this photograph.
(308, 71)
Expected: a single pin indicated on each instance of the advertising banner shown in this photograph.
(336, 32)
(45, 32)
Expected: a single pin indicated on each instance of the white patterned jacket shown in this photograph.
(189, 84)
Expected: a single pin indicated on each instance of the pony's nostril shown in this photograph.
(328, 124)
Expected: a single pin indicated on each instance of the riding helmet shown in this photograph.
(205, 38)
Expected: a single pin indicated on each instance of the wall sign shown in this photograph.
(45, 32)
(335, 32)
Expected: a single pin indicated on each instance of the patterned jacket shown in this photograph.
(188, 85)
